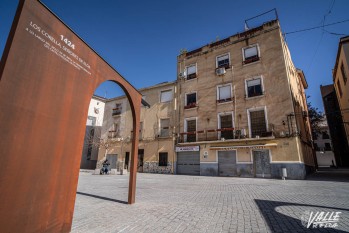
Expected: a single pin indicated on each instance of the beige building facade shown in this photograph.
(156, 140)
(242, 108)
(340, 80)
(237, 108)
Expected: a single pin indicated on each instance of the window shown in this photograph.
(91, 121)
(166, 96)
(190, 100)
(254, 87)
(258, 124)
(250, 54)
(163, 158)
(114, 131)
(140, 130)
(223, 61)
(117, 110)
(164, 127)
(328, 146)
(339, 88)
(226, 126)
(344, 74)
(191, 72)
(224, 93)
(325, 135)
(190, 130)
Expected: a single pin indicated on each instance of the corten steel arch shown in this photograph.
(47, 78)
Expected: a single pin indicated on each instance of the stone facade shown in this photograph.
(341, 85)
(157, 128)
(227, 87)
(153, 167)
(234, 108)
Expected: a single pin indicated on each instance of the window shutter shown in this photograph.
(224, 92)
(166, 96)
(226, 121)
(222, 58)
(164, 127)
(254, 82)
(251, 52)
(191, 69)
(191, 125)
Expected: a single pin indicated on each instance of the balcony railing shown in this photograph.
(116, 111)
(216, 135)
(251, 59)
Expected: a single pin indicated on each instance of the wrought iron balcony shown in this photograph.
(216, 135)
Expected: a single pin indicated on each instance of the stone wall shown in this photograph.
(295, 171)
(153, 167)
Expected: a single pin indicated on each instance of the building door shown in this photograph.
(127, 160)
(261, 163)
(112, 158)
(188, 163)
(227, 163)
(140, 160)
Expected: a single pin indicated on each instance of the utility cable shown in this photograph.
(312, 28)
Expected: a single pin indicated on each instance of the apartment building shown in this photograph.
(323, 146)
(335, 124)
(242, 108)
(156, 139)
(93, 132)
(340, 81)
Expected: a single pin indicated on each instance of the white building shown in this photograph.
(323, 146)
(93, 130)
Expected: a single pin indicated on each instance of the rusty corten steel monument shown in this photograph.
(47, 78)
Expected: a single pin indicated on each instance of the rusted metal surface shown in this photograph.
(45, 91)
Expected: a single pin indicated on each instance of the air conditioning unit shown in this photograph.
(182, 75)
(220, 71)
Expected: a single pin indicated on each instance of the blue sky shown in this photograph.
(141, 39)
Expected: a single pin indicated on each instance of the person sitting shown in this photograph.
(105, 169)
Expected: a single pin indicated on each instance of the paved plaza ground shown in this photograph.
(176, 203)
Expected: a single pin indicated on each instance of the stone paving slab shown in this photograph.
(174, 203)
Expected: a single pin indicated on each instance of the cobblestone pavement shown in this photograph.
(174, 203)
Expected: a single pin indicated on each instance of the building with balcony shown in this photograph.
(323, 146)
(341, 85)
(156, 136)
(93, 132)
(242, 108)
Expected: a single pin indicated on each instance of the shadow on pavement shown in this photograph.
(280, 222)
(330, 174)
(103, 198)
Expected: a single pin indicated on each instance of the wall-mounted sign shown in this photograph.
(187, 148)
(254, 147)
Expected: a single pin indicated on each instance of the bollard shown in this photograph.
(284, 173)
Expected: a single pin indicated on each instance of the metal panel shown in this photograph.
(227, 163)
(45, 91)
(261, 163)
(188, 163)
